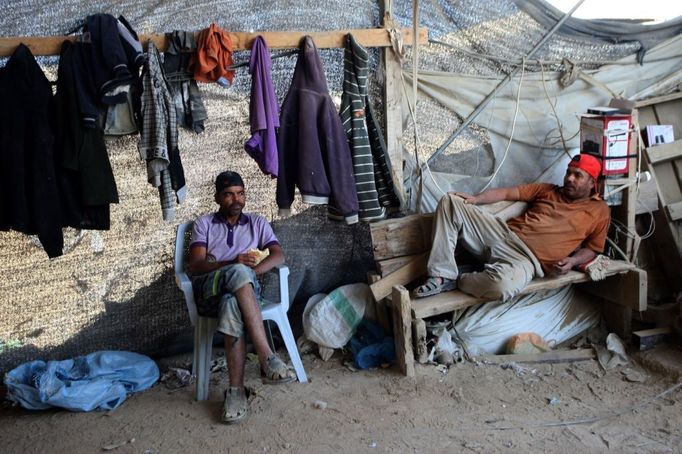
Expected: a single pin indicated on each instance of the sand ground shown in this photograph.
(566, 407)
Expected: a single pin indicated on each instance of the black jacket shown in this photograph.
(29, 198)
(86, 181)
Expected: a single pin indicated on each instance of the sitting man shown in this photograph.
(221, 261)
(563, 227)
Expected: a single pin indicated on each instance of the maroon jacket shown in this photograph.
(313, 147)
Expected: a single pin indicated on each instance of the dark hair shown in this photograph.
(227, 179)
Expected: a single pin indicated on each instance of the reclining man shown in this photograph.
(222, 264)
(563, 227)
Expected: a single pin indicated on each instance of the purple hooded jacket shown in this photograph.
(313, 148)
(263, 110)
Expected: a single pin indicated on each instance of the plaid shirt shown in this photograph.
(159, 135)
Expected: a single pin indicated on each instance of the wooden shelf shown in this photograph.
(376, 37)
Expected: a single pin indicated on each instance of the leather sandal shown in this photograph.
(433, 287)
(276, 372)
(236, 405)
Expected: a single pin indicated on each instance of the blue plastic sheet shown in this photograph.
(98, 381)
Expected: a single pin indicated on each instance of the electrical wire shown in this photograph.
(556, 116)
(511, 135)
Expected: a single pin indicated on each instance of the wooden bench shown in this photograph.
(401, 250)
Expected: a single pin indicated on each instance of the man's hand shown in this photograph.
(468, 198)
(582, 255)
(247, 259)
(564, 265)
(489, 196)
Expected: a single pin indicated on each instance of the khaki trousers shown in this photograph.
(509, 265)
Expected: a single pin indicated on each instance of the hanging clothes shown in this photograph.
(107, 63)
(119, 119)
(189, 106)
(214, 56)
(29, 197)
(159, 136)
(86, 181)
(370, 159)
(313, 148)
(263, 110)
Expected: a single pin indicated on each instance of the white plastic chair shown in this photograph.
(204, 327)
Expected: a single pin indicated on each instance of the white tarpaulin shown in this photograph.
(536, 141)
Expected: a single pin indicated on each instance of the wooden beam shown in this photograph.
(402, 330)
(664, 152)
(383, 318)
(649, 338)
(388, 266)
(618, 319)
(674, 211)
(414, 269)
(421, 352)
(559, 356)
(658, 100)
(379, 37)
(397, 237)
(628, 289)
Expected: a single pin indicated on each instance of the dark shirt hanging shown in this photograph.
(29, 197)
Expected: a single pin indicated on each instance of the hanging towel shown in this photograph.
(263, 110)
(370, 160)
(159, 136)
(214, 56)
(313, 148)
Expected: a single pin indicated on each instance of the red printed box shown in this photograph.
(607, 136)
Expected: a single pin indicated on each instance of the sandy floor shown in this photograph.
(473, 407)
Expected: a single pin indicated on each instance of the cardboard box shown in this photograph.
(607, 136)
(658, 134)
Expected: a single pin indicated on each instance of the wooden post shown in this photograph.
(393, 110)
(421, 352)
(381, 312)
(402, 330)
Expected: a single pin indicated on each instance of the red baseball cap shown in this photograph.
(588, 163)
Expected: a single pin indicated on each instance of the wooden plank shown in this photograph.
(388, 266)
(402, 330)
(393, 116)
(50, 45)
(383, 318)
(664, 152)
(649, 338)
(421, 352)
(405, 275)
(658, 100)
(628, 289)
(618, 319)
(674, 211)
(401, 236)
(558, 356)
(454, 300)
(647, 116)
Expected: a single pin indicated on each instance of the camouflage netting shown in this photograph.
(115, 289)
